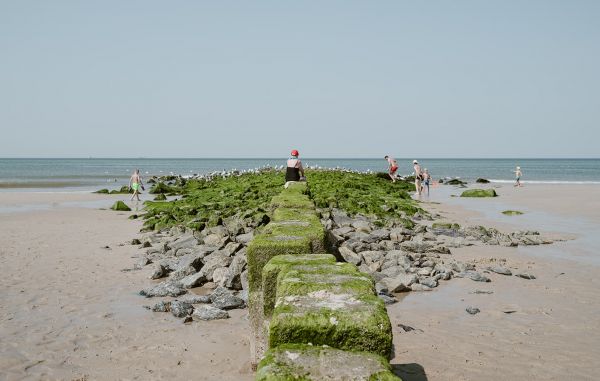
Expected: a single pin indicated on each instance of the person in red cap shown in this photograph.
(294, 167)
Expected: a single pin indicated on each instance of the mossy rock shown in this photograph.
(455, 182)
(160, 197)
(162, 188)
(479, 193)
(120, 206)
(512, 212)
(294, 362)
(445, 225)
(353, 321)
(279, 266)
(102, 191)
(482, 181)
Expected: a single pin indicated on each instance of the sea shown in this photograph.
(91, 173)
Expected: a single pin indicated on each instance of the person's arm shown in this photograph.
(300, 168)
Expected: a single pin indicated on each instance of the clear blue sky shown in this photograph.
(331, 78)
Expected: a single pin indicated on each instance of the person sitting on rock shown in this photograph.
(294, 171)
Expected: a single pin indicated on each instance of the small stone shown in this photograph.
(499, 270)
(472, 310)
(136, 241)
(525, 275)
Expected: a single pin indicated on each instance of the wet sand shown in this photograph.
(542, 329)
(67, 311)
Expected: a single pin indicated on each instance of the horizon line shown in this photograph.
(282, 157)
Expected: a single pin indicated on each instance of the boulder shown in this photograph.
(473, 275)
(208, 312)
(166, 288)
(185, 241)
(361, 226)
(216, 240)
(196, 299)
(182, 273)
(350, 256)
(180, 309)
(479, 193)
(224, 299)
(500, 270)
(162, 306)
(416, 247)
(233, 276)
(120, 206)
(214, 261)
(159, 271)
(400, 282)
(218, 276)
(193, 280)
(245, 238)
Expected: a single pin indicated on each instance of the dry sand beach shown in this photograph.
(68, 311)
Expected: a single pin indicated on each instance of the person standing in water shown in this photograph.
(294, 170)
(418, 177)
(426, 179)
(392, 167)
(518, 175)
(135, 183)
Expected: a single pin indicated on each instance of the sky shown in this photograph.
(330, 78)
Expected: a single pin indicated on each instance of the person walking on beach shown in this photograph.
(518, 175)
(294, 171)
(426, 179)
(418, 177)
(392, 167)
(135, 183)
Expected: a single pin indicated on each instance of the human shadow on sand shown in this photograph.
(409, 372)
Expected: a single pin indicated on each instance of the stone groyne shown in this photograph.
(312, 318)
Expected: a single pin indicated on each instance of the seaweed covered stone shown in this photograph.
(306, 362)
(120, 206)
(332, 305)
(479, 193)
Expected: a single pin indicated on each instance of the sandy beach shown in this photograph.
(69, 312)
(69, 307)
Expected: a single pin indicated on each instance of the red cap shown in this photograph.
(295, 152)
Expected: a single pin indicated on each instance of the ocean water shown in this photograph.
(82, 174)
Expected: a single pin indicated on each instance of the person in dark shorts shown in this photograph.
(294, 171)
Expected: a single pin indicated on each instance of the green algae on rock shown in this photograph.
(479, 193)
(311, 363)
(366, 194)
(254, 197)
(512, 212)
(445, 225)
(120, 206)
(160, 197)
